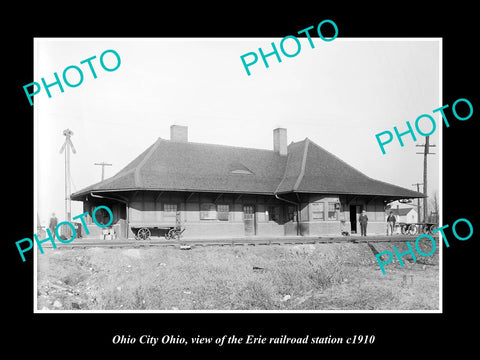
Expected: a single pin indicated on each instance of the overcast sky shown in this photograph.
(339, 95)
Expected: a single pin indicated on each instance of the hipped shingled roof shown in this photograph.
(186, 166)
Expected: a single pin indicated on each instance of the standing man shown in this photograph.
(53, 224)
(391, 223)
(363, 219)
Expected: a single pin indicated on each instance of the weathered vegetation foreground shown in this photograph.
(301, 277)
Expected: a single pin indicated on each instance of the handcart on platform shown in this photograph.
(417, 228)
(144, 232)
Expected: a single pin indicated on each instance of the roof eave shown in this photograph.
(79, 195)
(399, 196)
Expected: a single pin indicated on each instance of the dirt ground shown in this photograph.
(278, 277)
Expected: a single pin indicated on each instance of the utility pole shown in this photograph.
(425, 152)
(418, 200)
(103, 164)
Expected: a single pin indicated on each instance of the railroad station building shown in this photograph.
(221, 191)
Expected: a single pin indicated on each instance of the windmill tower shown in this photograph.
(67, 146)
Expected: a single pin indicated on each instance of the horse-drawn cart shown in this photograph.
(417, 228)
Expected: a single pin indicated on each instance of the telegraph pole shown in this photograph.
(103, 164)
(425, 152)
(418, 200)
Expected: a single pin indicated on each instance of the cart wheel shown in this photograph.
(167, 235)
(426, 229)
(172, 234)
(412, 229)
(432, 227)
(403, 229)
(143, 233)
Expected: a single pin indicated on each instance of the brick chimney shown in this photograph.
(280, 141)
(179, 133)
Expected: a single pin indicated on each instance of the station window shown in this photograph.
(222, 212)
(332, 213)
(208, 211)
(102, 216)
(318, 211)
(274, 213)
(169, 210)
(291, 213)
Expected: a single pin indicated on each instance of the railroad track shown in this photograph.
(297, 240)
